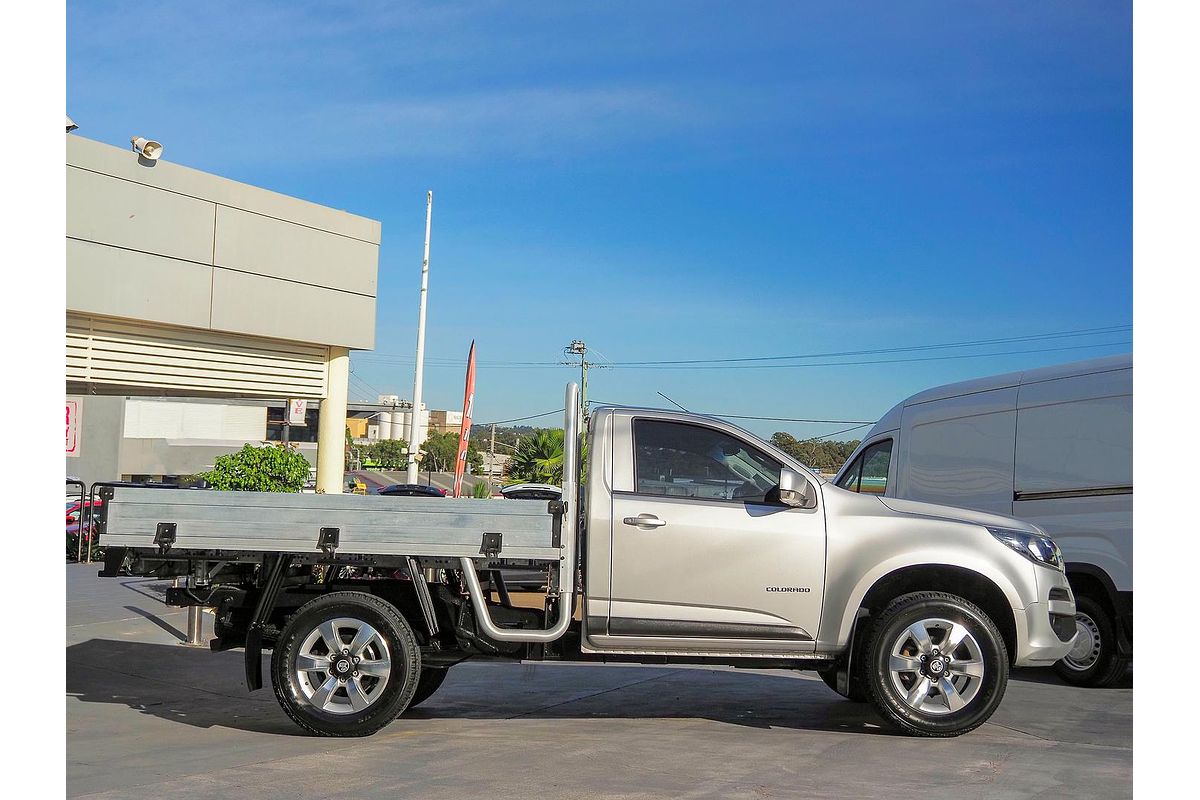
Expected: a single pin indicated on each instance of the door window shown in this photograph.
(869, 472)
(675, 459)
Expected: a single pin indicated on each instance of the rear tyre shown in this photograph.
(936, 665)
(1093, 660)
(346, 664)
(429, 682)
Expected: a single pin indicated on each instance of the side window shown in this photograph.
(876, 460)
(869, 472)
(850, 477)
(675, 459)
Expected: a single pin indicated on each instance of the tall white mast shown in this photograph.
(413, 426)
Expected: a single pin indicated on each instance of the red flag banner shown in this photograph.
(464, 433)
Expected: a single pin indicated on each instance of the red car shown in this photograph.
(74, 506)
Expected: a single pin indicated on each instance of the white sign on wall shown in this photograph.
(158, 419)
(74, 426)
(296, 411)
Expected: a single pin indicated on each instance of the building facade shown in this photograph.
(182, 284)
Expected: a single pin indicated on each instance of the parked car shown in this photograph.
(74, 507)
(1051, 446)
(76, 512)
(531, 491)
(412, 490)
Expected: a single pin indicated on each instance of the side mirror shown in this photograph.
(795, 489)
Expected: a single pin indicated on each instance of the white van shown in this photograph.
(1053, 446)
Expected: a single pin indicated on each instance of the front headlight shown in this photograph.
(1034, 546)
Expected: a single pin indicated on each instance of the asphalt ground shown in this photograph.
(149, 717)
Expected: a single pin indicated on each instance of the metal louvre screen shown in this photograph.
(120, 353)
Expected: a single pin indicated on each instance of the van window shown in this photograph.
(869, 472)
(676, 459)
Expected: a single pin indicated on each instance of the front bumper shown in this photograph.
(1042, 626)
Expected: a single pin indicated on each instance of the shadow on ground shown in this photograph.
(201, 688)
(1047, 675)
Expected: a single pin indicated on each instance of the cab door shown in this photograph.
(702, 557)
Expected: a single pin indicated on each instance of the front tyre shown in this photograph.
(346, 664)
(936, 665)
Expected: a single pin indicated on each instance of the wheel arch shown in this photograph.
(1095, 582)
(966, 583)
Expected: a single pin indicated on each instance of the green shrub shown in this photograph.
(270, 468)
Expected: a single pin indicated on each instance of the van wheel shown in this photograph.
(429, 682)
(1093, 660)
(346, 664)
(936, 665)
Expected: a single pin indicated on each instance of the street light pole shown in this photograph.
(416, 409)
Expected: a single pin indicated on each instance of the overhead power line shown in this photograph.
(749, 362)
(839, 433)
(883, 360)
(910, 348)
(517, 419)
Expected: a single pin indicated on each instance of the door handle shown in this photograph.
(645, 521)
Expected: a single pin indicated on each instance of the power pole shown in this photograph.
(579, 348)
(413, 426)
(492, 457)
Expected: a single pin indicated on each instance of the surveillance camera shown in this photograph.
(146, 148)
(71, 125)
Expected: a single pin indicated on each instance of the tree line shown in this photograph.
(825, 455)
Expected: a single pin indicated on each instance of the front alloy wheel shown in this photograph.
(936, 664)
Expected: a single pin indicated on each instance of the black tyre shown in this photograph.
(429, 682)
(1094, 660)
(936, 665)
(346, 664)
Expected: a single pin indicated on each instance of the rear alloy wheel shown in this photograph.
(345, 665)
(1093, 660)
(937, 665)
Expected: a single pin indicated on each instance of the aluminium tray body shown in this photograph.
(367, 525)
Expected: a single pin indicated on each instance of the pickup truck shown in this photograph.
(687, 541)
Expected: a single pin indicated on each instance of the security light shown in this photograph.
(146, 148)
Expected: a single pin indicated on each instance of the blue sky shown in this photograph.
(669, 181)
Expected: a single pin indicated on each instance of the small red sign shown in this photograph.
(73, 411)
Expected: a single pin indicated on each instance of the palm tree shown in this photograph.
(539, 458)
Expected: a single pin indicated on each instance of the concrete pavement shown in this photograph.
(149, 717)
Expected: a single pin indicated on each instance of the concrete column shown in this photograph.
(331, 433)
